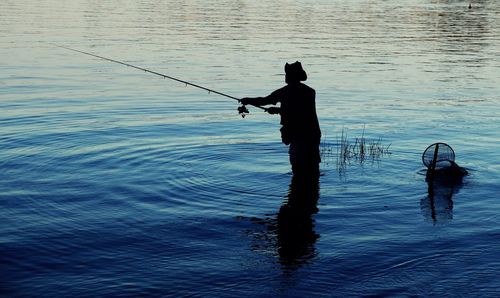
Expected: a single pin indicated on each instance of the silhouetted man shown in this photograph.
(300, 127)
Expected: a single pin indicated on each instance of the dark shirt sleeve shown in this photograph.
(275, 96)
(271, 99)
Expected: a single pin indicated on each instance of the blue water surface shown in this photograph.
(116, 182)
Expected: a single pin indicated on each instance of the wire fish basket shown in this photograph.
(438, 155)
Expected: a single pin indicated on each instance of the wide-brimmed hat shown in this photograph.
(295, 71)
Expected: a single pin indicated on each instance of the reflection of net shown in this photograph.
(445, 156)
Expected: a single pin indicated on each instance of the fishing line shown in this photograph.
(242, 110)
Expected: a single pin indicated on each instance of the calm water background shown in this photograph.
(117, 182)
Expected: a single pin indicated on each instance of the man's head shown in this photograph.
(294, 73)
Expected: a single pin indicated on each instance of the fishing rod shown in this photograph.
(242, 109)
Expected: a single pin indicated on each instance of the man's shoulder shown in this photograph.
(294, 87)
(291, 90)
(306, 89)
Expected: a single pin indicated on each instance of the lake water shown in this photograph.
(116, 182)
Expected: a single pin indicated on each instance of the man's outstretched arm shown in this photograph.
(258, 101)
(271, 99)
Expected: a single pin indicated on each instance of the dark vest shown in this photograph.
(298, 114)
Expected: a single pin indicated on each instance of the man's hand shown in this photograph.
(273, 110)
(246, 100)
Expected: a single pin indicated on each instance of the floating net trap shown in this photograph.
(439, 155)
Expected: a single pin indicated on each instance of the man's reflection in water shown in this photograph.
(289, 234)
(295, 226)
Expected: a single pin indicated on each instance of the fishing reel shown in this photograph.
(243, 111)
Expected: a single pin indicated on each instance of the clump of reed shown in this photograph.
(360, 150)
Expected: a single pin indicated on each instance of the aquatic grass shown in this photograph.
(344, 151)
